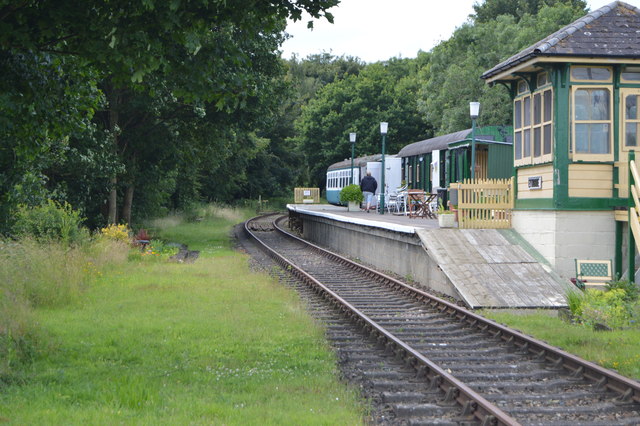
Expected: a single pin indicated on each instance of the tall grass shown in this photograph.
(43, 275)
(171, 343)
(205, 228)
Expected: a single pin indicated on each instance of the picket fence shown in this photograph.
(485, 203)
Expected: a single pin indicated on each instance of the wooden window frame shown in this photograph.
(532, 126)
(623, 121)
(588, 156)
(609, 80)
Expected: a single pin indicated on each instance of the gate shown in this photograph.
(485, 203)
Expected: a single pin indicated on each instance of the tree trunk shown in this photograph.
(113, 201)
(114, 100)
(126, 206)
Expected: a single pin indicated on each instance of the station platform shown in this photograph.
(484, 268)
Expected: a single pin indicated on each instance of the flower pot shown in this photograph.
(446, 220)
(354, 206)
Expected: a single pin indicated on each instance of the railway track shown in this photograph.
(424, 360)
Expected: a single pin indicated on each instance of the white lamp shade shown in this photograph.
(474, 109)
(352, 137)
(383, 127)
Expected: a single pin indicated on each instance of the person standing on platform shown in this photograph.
(368, 185)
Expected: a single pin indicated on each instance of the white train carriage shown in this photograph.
(339, 174)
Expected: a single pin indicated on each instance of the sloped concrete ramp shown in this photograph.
(490, 270)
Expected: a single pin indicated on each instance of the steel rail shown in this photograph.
(456, 392)
(628, 390)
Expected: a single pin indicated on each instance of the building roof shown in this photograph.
(428, 145)
(613, 31)
(357, 162)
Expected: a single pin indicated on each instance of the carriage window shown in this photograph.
(591, 74)
(592, 123)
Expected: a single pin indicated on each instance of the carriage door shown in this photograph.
(629, 136)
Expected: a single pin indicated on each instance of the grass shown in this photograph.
(618, 350)
(155, 342)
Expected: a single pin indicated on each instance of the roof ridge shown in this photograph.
(553, 43)
(570, 29)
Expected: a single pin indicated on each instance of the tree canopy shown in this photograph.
(129, 109)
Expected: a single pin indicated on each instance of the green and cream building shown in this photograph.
(575, 118)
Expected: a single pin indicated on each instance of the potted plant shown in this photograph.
(352, 196)
(446, 218)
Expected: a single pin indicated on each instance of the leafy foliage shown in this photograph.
(130, 110)
(50, 221)
(351, 193)
(616, 307)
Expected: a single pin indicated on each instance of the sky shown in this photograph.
(376, 30)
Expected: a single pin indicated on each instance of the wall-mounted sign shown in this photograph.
(535, 182)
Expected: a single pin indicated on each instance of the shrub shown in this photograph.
(630, 288)
(608, 308)
(116, 233)
(50, 221)
(351, 193)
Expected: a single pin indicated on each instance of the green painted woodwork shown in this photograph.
(535, 204)
(561, 90)
(616, 128)
(500, 161)
(631, 241)
(570, 204)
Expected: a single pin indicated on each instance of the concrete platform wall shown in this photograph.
(398, 252)
(561, 238)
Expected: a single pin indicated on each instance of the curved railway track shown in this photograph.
(426, 360)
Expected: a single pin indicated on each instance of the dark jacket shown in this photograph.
(368, 184)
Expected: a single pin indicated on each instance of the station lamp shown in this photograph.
(474, 111)
(383, 131)
(352, 140)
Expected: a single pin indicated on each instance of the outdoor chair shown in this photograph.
(595, 273)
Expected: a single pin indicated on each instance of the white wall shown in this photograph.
(563, 236)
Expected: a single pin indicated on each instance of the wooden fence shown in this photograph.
(485, 203)
(306, 195)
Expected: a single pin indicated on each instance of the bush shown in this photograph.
(595, 308)
(351, 193)
(51, 221)
(117, 233)
(630, 288)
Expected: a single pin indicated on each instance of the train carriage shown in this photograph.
(339, 174)
(433, 164)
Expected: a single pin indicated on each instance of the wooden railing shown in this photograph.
(485, 203)
(634, 207)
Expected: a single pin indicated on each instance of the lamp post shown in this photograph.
(383, 132)
(474, 110)
(352, 139)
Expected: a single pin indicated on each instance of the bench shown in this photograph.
(592, 273)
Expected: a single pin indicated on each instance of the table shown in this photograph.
(419, 203)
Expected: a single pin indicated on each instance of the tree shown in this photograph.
(384, 91)
(452, 78)
(214, 52)
(490, 10)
